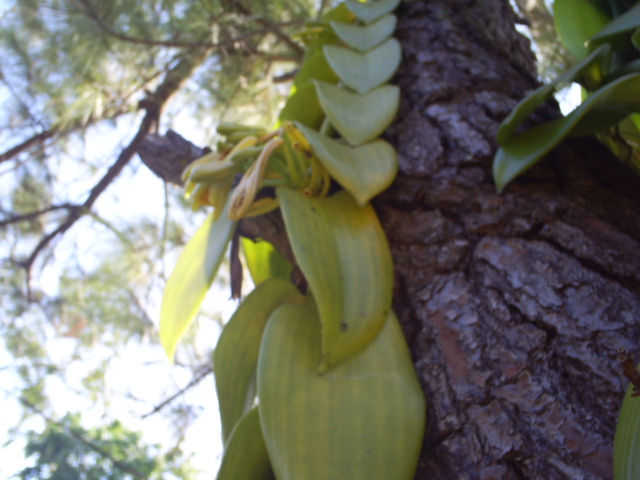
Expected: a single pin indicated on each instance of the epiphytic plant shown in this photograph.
(606, 42)
(337, 396)
(605, 38)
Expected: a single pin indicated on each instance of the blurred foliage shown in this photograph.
(67, 451)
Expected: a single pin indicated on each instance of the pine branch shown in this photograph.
(93, 15)
(205, 370)
(31, 215)
(276, 29)
(153, 105)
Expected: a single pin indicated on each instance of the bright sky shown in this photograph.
(141, 371)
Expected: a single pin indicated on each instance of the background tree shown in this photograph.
(513, 304)
(66, 451)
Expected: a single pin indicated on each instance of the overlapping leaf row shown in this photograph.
(337, 396)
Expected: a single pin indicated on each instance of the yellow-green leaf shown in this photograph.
(365, 71)
(191, 279)
(364, 419)
(370, 11)
(626, 443)
(264, 261)
(246, 456)
(365, 37)
(236, 354)
(365, 171)
(304, 107)
(343, 253)
(359, 118)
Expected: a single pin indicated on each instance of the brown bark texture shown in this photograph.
(513, 304)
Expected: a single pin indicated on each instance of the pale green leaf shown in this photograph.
(365, 37)
(365, 171)
(606, 107)
(264, 261)
(359, 118)
(246, 456)
(363, 419)
(236, 354)
(371, 10)
(343, 253)
(365, 71)
(191, 279)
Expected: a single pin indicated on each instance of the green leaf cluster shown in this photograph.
(601, 36)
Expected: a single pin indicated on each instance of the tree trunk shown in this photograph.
(513, 304)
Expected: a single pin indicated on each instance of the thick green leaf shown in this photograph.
(371, 10)
(246, 456)
(264, 261)
(343, 253)
(304, 107)
(365, 37)
(314, 64)
(359, 118)
(364, 71)
(626, 443)
(365, 171)
(364, 419)
(590, 67)
(576, 22)
(621, 25)
(191, 279)
(606, 107)
(236, 354)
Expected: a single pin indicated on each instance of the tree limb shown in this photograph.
(205, 370)
(32, 215)
(93, 15)
(153, 104)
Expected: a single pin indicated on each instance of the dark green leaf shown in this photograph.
(606, 107)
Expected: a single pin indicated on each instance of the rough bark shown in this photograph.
(513, 304)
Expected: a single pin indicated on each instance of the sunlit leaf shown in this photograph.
(191, 279)
(359, 118)
(264, 261)
(236, 354)
(363, 419)
(365, 71)
(304, 107)
(606, 107)
(590, 67)
(370, 11)
(365, 171)
(576, 22)
(245, 456)
(365, 37)
(343, 253)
